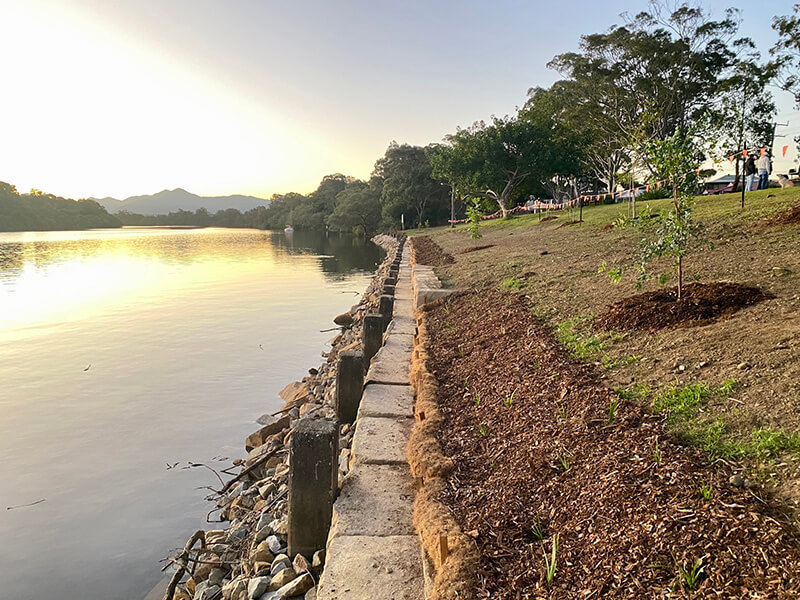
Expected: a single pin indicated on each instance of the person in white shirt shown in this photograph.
(764, 166)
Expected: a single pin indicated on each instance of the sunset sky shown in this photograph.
(260, 97)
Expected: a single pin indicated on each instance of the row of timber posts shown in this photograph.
(314, 445)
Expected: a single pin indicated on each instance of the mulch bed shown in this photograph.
(428, 252)
(701, 304)
(568, 223)
(475, 249)
(518, 411)
(550, 218)
(790, 216)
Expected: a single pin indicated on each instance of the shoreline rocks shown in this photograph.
(249, 560)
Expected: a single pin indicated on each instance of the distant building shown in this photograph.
(718, 184)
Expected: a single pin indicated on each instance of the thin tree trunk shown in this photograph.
(680, 277)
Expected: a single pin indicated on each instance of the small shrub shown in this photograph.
(514, 284)
(551, 562)
(691, 576)
(612, 409)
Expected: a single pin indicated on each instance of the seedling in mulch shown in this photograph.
(509, 400)
(449, 325)
(563, 459)
(461, 351)
(484, 430)
(706, 491)
(691, 576)
(551, 562)
(656, 452)
(477, 399)
(612, 409)
(537, 529)
(563, 412)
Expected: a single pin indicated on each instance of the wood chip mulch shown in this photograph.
(428, 252)
(701, 303)
(535, 450)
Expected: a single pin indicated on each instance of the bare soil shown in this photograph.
(428, 252)
(758, 346)
(475, 248)
(790, 216)
(537, 455)
(700, 304)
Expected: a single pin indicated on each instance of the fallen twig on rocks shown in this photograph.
(181, 561)
(250, 469)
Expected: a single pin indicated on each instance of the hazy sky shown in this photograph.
(105, 98)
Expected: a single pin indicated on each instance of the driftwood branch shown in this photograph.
(182, 560)
(250, 469)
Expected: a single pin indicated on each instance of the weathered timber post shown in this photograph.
(371, 337)
(388, 290)
(349, 385)
(386, 308)
(313, 462)
(390, 281)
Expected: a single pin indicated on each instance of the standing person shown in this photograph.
(750, 171)
(764, 165)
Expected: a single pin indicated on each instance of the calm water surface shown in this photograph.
(123, 351)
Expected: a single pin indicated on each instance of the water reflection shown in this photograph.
(124, 350)
(340, 254)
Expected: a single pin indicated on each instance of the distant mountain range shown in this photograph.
(168, 201)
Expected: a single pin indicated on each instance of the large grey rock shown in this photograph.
(297, 587)
(257, 587)
(281, 578)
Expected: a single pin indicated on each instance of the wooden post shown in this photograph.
(313, 480)
(349, 385)
(386, 309)
(372, 336)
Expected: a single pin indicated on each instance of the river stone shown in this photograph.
(300, 564)
(299, 586)
(343, 320)
(235, 590)
(280, 526)
(260, 437)
(274, 544)
(264, 519)
(318, 560)
(263, 553)
(257, 587)
(280, 563)
(212, 592)
(216, 576)
(311, 594)
(280, 579)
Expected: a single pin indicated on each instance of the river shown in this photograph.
(124, 356)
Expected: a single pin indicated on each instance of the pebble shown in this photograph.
(743, 366)
(736, 481)
(300, 564)
(318, 560)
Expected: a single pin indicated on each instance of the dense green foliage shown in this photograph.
(42, 212)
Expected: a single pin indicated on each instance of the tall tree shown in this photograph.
(358, 209)
(493, 160)
(787, 51)
(744, 111)
(407, 187)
